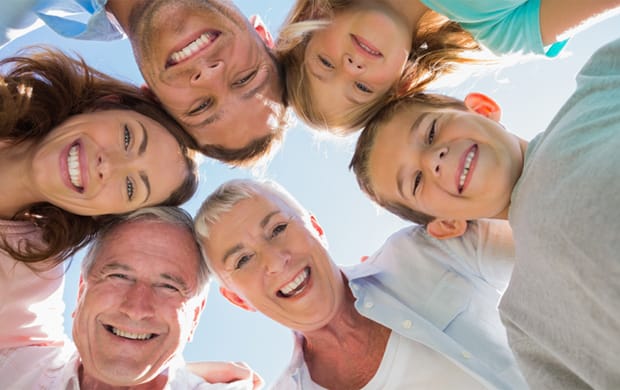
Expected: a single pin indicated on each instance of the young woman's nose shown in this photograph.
(108, 163)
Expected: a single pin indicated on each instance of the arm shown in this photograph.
(225, 372)
(557, 17)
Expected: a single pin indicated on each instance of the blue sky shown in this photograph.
(314, 169)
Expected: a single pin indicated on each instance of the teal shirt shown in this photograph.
(502, 26)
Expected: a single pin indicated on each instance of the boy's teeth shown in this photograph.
(133, 336)
(295, 283)
(73, 163)
(468, 159)
(193, 47)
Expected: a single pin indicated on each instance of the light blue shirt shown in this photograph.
(503, 26)
(441, 293)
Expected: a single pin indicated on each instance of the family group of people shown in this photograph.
(508, 277)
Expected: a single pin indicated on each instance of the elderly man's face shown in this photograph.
(137, 307)
(209, 68)
(269, 260)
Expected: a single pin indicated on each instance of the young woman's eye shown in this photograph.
(244, 80)
(243, 260)
(126, 137)
(416, 182)
(325, 62)
(279, 229)
(431, 132)
(202, 107)
(130, 188)
(362, 87)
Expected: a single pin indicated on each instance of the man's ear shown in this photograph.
(148, 92)
(442, 229)
(235, 299)
(483, 105)
(261, 30)
(80, 292)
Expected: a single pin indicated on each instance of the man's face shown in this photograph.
(137, 307)
(209, 69)
(447, 163)
(268, 259)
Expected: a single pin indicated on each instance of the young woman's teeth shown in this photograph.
(468, 160)
(73, 163)
(193, 47)
(132, 336)
(295, 286)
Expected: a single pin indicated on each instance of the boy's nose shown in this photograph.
(208, 74)
(435, 159)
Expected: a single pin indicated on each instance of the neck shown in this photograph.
(523, 144)
(18, 190)
(89, 382)
(412, 11)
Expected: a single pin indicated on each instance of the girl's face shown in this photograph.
(107, 162)
(357, 58)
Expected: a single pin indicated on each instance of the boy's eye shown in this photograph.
(416, 182)
(126, 137)
(243, 260)
(279, 229)
(431, 132)
(325, 62)
(362, 87)
(130, 188)
(244, 80)
(202, 107)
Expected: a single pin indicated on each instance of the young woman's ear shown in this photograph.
(235, 299)
(442, 229)
(262, 30)
(483, 105)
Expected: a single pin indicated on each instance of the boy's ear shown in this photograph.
(262, 30)
(442, 228)
(235, 299)
(483, 105)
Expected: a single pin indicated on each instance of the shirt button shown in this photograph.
(466, 355)
(407, 324)
(368, 304)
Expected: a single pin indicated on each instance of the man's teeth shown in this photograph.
(468, 159)
(73, 162)
(193, 47)
(291, 288)
(133, 336)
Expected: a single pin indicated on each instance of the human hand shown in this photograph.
(226, 372)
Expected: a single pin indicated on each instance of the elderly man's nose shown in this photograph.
(138, 303)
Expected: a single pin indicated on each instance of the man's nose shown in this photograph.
(353, 65)
(139, 301)
(208, 74)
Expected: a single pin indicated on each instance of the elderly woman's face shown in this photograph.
(107, 162)
(271, 261)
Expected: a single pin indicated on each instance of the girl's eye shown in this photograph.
(362, 87)
(126, 137)
(416, 182)
(245, 79)
(325, 62)
(202, 107)
(242, 261)
(279, 229)
(130, 188)
(431, 132)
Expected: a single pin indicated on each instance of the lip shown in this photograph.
(186, 42)
(303, 288)
(64, 167)
(472, 149)
(365, 48)
(108, 329)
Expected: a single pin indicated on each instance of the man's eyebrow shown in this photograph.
(209, 120)
(399, 175)
(258, 88)
(176, 280)
(114, 266)
(147, 184)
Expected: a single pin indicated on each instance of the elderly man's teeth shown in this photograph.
(468, 160)
(293, 287)
(193, 47)
(132, 336)
(73, 163)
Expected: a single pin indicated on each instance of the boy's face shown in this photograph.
(445, 162)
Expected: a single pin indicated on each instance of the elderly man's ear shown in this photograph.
(442, 228)
(261, 30)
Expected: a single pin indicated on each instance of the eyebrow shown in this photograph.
(177, 280)
(399, 175)
(321, 79)
(236, 248)
(141, 150)
(118, 266)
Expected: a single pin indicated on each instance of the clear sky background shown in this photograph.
(314, 169)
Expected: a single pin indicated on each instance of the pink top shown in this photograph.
(31, 303)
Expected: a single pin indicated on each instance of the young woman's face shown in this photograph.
(356, 59)
(107, 162)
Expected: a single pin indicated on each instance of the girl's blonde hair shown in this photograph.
(438, 47)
